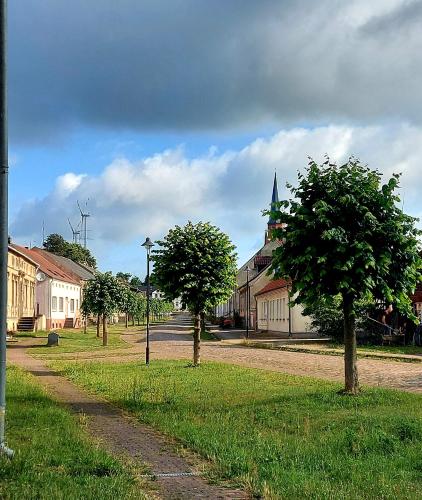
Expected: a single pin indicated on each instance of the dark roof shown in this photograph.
(274, 199)
(77, 270)
(274, 285)
(46, 266)
(263, 260)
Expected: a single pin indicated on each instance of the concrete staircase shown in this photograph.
(26, 324)
(69, 323)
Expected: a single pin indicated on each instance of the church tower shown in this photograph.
(272, 223)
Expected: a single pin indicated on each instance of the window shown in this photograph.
(54, 303)
(72, 305)
(284, 309)
(77, 304)
(61, 304)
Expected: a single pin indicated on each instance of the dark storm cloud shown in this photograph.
(207, 64)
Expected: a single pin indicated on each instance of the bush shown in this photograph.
(327, 317)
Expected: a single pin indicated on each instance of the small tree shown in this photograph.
(141, 307)
(129, 303)
(344, 234)
(103, 296)
(197, 263)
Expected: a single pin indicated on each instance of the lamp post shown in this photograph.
(148, 244)
(4, 170)
(247, 270)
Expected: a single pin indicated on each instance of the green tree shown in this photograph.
(104, 295)
(141, 307)
(55, 243)
(129, 304)
(197, 263)
(125, 277)
(135, 282)
(344, 234)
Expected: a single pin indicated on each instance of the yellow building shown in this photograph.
(21, 272)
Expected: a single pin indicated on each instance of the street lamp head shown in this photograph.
(148, 244)
(248, 270)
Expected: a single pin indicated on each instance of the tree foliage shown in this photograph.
(344, 234)
(55, 243)
(196, 262)
(104, 295)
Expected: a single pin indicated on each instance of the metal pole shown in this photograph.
(290, 312)
(247, 304)
(4, 170)
(147, 349)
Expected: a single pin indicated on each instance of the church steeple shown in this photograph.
(272, 223)
(274, 199)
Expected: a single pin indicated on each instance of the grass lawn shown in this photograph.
(73, 340)
(278, 435)
(54, 458)
(391, 349)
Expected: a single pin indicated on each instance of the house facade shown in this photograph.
(57, 293)
(274, 313)
(21, 272)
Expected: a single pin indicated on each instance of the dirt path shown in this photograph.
(124, 435)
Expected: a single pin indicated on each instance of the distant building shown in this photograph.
(21, 271)
(258, 264)
(57, 293)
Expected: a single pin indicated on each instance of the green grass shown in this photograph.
(73, 340)
(279, 436)
(385, 349)
(390, 349)
(54, 458)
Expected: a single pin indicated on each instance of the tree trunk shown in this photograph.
(350, 366)
(98, 325)
(133, 320)
(126, 320)
(104, 330)
(197, 340)
(85, 323)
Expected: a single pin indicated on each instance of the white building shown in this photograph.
(274, 313)
(57, 294)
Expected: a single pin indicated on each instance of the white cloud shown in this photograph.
(131, 199)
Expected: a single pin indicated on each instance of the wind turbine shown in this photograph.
(84, 217)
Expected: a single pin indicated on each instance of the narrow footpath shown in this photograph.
(121, 434)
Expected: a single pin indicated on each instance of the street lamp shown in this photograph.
(247, 271)
(148, 244)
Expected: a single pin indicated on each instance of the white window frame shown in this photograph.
(54, 303)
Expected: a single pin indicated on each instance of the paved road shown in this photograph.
(173, 341)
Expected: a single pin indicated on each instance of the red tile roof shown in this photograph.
(417, 296)
(47, 267)
(274, 285)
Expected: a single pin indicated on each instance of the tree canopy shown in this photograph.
(55, 243)
(104, 295)
(196, 262)
(345, 234)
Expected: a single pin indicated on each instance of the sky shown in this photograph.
(151, 113)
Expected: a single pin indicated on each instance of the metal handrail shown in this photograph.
(384, 325)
